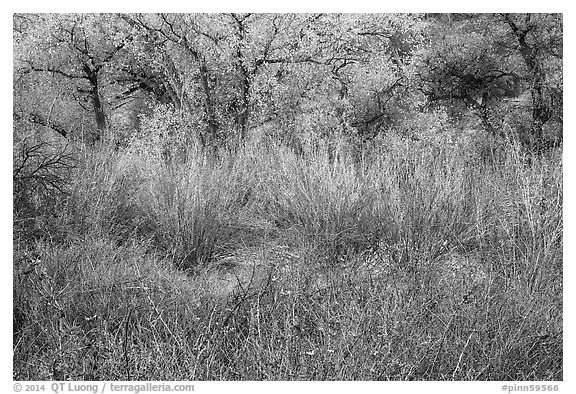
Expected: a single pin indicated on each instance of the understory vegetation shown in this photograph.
(423, 262)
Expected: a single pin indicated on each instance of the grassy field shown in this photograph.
(410, 261)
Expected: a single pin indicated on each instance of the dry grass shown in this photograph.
(416, 262)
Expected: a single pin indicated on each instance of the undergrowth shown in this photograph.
(116, 290)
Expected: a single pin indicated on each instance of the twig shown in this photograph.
(126, 345)
(461, 355)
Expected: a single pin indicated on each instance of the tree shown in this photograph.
(538, 39)
(480, 62)
(461, 67)
(325, 74)
(215, 61)
(77, 50)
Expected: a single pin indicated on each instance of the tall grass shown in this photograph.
(472, 287)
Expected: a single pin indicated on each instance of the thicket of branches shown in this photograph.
(310, 76)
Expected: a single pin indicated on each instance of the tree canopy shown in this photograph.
(313, 76)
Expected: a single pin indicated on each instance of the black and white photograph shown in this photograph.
(287, 197)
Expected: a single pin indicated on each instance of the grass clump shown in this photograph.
(424, 263)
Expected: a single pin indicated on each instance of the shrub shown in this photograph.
(41, 175)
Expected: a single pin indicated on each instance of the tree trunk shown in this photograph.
(244, 100)
(100, 116)
(212, 126)
(541, 110)
(99, 113)
(340, 113)
(242, 108)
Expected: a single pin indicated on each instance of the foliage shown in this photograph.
(287, 197)
(230, 73)
(485, 63)
(75, 50)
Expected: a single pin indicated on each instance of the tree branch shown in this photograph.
(56, 71)
(42, 121)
